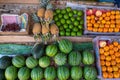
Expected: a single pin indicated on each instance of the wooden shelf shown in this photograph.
(20, 39)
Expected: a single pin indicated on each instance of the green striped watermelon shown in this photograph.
(24, 73)
(37, 73)
(50, 73)
(76, 73)
(11, 73)
(74, 58)
(51, 50)
(63, 73)
(44, 61)
(18, 61)
(31, 62)
(65, 46)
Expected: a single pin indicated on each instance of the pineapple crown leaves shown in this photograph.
(44, 3)
(49, 6)
(35, 18)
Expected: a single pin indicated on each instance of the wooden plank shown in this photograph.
(20, 39)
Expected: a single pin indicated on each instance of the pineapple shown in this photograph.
(35, 18)
(49, 12)
(54, 29)
(45, 30)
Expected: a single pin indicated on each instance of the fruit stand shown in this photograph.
(59, 40)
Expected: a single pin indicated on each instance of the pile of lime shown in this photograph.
(70, 21)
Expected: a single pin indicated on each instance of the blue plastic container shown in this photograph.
(106, 0)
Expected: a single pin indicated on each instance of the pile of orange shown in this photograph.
(108, 22)
(110, 60)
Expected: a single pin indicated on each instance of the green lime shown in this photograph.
(75, 29)
(62, 21)
(56, 18)
(59, 15)
(67, 33)
(68, 21)
(68, 30)
(71, 26)
(78, 18)
(72, 19)
(80, 13)
(62, 33)
(61, 28)
(73, 33)
(76, 23)
(68, 9)
(66, 16)
(57, 11)
(58, 23)
(79, 34)
(63, 11)
(54, 14)
(81, 30)
(75, 11)
(70, 14)
(82, 22)
(65, 26)
(80, 26)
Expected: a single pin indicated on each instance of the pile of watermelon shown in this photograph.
(59, 61)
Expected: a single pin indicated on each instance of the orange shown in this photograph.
(106, 48)
(119, 46)
(101, 25)
(118, 21)
(92, 21)
(103, 21)
(96, 25)
(117, 25)
(88, 17)
(116, 29)
(105, 29)
(108, 13)
(112, 17)
(117, 54)
(104, 68)
(113, 12)
(113, 63)
(117, 16)
(98, 22)
(107, 25)
(88, 21)
(100, 18)
(118, 65)
(111, 52)
(115, 43)
(112, 21)
(112, 25)
(100, 30)
(110, 30)
(102, 62)
(113, 57)
(117, 60)
(101, 50)
(111, 46)
(102, 57)
(105, 75)
(109, 69)
(107, 18)
(110, 75)
(89, 28)
(106, 53)
(107, 63)
(92, 17)
(117, 12)
(95, 29)
(115, 68)
(89, 24)
(115, 49)
(116, 74)
(108, 22)
(103, 15)
(108, 58)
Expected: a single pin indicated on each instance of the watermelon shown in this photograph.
(90, 73)
(18, 61)
(24, 73)
(11, 73)
(51, 50)
(65, 46)
(5, 61)
(88, 58)
(74, 58)
(63, 73)
(37, 73)
(2, 76)
(44, 61)
(50, 73)
(60, 59)
(76, 73)
(31, 62)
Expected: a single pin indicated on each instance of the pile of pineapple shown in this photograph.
(44, 29)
